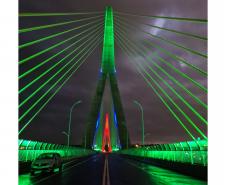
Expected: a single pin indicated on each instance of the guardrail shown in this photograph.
(29, 150)
(193, 152)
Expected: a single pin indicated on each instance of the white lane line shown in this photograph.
(77, 164)
(106, 175)
(70, 161)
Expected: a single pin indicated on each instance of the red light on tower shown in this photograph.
(106, 142)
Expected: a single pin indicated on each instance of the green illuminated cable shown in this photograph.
(178, 45)
(155, 91)
(179, 32)
(171, 42)
(171, 54)
(182, 74)
(24, 30)
(55, 74)
(178, 83)
(171, 100)
(165, 17)
(171, 77)
(52, 47)
(178, 71)
(204, 73)
(182, 86)
(56, 45)
(197, 129)
(49, 69)
(168, 29)
(55, 35)
(55, 55)
(56, 14)
(191, 122)
(90, 52)
(165, 82)
(30, 108)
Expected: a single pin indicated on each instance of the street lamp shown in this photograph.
(142, 119)
(68, 133)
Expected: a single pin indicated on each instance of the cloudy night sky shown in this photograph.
(160, 125)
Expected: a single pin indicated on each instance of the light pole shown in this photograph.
(68, 133)
(85, 139)
(142, 119)
(145, 135)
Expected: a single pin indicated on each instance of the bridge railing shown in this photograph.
(192, 152)
(29, 150)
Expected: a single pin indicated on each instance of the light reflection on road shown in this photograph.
(166, 177)
(156, 175)
(27, 179)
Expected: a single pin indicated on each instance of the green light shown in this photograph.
(182, 86)
(55, 35)
(165, 17)
(163, 176)
(177, 57)
(165, 82)
(168, 29)
(43, 105)
(108, 58)
(180, 32)
(171, 100)
(160, 97)
(56, 64)
(175, 69)
(55, 14)
(56, 45)
(31, 107)
(178, 45)
(182, 74)
(173, 79)
(32, 150)
(54, 25)
(172, 43)
(190, 153)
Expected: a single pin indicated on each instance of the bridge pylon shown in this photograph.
(107, 72)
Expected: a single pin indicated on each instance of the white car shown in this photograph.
(46, 162)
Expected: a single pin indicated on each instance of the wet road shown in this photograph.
(109, 170)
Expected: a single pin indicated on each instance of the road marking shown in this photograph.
(106, 175)
(77, 164)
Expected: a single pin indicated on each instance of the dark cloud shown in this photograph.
(159, 123)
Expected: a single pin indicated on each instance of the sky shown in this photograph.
(160, 125)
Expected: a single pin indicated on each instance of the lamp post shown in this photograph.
(85, 140)
(142, 119)
(145, 135)
(68, 133)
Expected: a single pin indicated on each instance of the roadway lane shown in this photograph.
(129, 172)
(109, 170)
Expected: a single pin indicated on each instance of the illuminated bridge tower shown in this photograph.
(107, 72)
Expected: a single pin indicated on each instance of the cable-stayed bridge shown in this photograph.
(51, 63)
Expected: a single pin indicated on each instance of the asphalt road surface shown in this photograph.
(109, 169)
